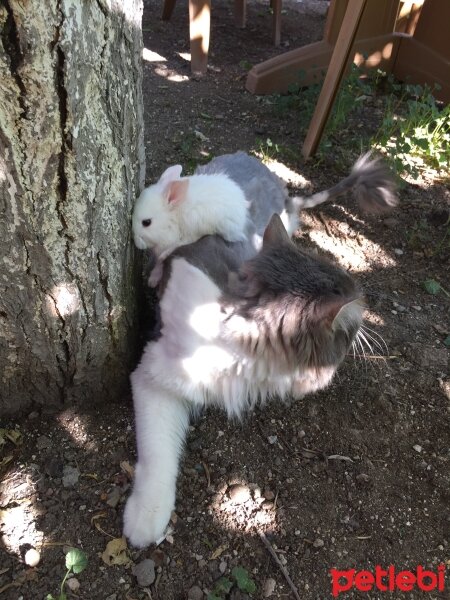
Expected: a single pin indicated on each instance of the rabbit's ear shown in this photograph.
(171, 174)
(176, 191)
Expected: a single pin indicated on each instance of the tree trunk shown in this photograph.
(71, 165)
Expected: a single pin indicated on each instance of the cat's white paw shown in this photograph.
(145, 519)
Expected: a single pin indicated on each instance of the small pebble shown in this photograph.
(239, 493)
(145, 572)
(391, 222)
(398, 251)
(43, 442)
(114, 497)
(272, 439)
(73, 584)
(195, 593)
(269, 587)
(268, 494)
(318, 543)
(70, 476)
(32, 557)
(417, 448)
(362, 478)
(223, 566)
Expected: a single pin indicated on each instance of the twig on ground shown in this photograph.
(207, 473)
(273, 554)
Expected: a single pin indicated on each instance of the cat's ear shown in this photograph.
(275, 232)
(171, 174)
(176, 191)
(342, 313)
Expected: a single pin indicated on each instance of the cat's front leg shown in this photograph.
(162, 420)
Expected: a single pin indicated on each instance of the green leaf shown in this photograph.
(244, 64)
(223, 586)
(432, 286)
(447, 341)
(212, 596)
(243, 580)
(76, 560)
(50, 597)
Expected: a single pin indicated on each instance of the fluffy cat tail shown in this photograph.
(372, 183)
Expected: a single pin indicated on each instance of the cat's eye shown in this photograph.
(242, 276)
(146, 222)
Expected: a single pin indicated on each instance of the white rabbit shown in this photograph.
(177, 211)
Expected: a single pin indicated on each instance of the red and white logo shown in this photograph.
(388, 579)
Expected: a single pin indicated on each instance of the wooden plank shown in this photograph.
(276, 25)
(336, 69)
(168, 7)
(199, 28)
(240, 13)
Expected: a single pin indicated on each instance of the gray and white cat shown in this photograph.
(239, 326)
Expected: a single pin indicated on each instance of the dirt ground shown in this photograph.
(352, 477)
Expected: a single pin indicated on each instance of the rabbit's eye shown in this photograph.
(146, 222)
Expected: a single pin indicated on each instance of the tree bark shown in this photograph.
(71, 165)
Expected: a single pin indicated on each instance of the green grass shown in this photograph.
(415, 131)
(403, 122)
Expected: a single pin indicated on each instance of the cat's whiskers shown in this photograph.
(367, 347)
(380, 344)
(363, 355)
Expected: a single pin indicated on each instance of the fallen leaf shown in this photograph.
(116, 552)
(129, 470)
(12, 435)
(91, 476)
(5, 460)
(218, 551)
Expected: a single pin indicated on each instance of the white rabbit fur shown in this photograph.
(181, 210)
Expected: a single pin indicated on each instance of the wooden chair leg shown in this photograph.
(168, 7)
(199, 27)
(276, 24)
(335, 72)
(240, 13)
